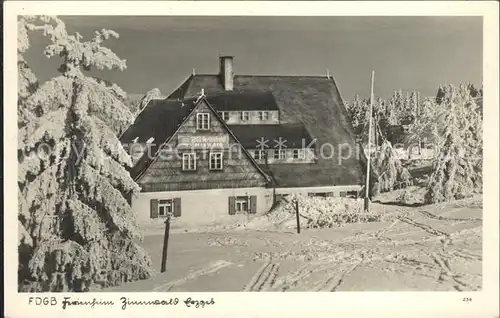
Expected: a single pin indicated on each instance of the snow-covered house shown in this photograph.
(226, 144)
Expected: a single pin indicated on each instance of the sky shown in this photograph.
(408, 53)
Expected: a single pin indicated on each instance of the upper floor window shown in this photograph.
(244, 116)
(216, 161)
(259, 154)
(203, 121)
(189, 161)
(299, 154)
(263, 115)
(279, 154)
(224, 115)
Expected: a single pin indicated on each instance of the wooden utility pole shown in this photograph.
(416, 119)
(297, 215)
(165, 245)
(368, 157)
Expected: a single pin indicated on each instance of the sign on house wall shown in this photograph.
(204, 142)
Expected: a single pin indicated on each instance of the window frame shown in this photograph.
(261, 115)
(168, 203)
(191, 156)
(301, 154)
(200, 121)
(221, 158)
(243, 117)
(281, 154)
(242, 201)
(224, 115)
(259, 154)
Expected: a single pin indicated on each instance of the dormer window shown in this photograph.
(244, 116)
(279, 154)
(203, 121)
(263, 115)
(299, 154)
(259, 154)
(224, 116)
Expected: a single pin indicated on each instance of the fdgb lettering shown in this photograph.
(42, 301)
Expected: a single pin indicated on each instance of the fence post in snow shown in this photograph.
(165, 245)
(297, 214)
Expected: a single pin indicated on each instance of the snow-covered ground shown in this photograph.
(413, 248)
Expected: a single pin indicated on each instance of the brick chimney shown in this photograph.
(226, 72)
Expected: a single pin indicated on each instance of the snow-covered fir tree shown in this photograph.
(389, 169)
(27, 84)
(74, 186)
(425, 127)
(154, 93)
(357, 112)
(458, 168)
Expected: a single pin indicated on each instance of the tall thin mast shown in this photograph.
(368, 157)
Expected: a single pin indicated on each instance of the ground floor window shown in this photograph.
(165, 207)
(241, 204)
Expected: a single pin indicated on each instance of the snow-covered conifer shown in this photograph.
(458, 168)
(74, 184)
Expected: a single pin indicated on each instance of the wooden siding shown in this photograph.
(165, 173)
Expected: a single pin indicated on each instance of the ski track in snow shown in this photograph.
(409, 244)
(341, 265)
(210, 269)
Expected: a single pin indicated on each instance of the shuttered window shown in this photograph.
(243, 204)
(165, 207)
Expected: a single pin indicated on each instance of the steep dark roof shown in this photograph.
(250, 100)
(291, 134)
(159, 119)
(313, 101)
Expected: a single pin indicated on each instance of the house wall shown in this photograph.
(205, 207)
(234, 118)
(201, 206)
